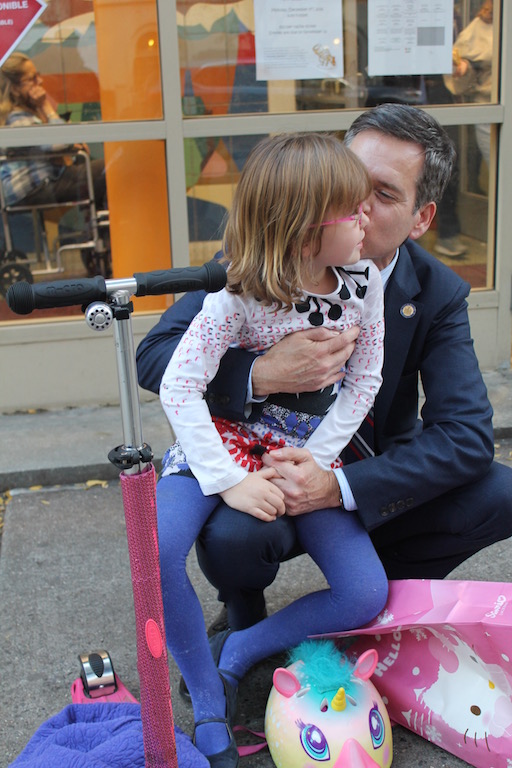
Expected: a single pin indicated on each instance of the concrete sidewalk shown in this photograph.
(65, 585)
(70, 446)
(65, 589)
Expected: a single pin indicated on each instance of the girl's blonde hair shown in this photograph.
(287, 185)
(11, 73)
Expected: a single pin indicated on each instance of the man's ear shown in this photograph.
(423, 221)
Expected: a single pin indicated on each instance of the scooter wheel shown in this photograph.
(97, 674)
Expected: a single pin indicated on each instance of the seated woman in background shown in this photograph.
(25, 102)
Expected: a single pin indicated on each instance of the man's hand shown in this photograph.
(305, 486)
(256, 496)
(303, 361)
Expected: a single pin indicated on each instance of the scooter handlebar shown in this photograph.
(211, 277)
(24, 297)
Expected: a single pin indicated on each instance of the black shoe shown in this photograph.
(219, 624)
(216, 645)
(231, 694)
(229, 757)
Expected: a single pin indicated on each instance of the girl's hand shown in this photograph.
(257, 496)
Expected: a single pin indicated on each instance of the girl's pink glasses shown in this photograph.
(355, 217)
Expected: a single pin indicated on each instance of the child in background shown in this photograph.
(293, 241)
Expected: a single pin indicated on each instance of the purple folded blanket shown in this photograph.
(98, 736)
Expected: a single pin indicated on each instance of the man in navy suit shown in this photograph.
(432, 495)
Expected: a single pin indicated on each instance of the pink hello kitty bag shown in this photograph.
(445, 664)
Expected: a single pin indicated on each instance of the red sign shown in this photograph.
(16, 18)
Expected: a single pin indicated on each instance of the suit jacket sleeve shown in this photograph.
(453, 444)
(226, 394)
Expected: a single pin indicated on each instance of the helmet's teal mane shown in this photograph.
(323, 666)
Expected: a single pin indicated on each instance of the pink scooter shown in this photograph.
(107, 301)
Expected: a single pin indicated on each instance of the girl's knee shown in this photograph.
(369, 597)
(377, 599)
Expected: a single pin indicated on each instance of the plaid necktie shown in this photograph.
(362, 444)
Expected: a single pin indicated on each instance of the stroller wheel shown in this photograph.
(14, 255)
(97, 673)
(12, 272)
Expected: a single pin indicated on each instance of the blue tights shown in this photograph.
(334, 539)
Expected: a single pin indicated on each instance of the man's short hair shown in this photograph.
(414, 125)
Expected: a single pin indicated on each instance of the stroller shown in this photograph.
(92, 238)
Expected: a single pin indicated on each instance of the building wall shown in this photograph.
(174, 124)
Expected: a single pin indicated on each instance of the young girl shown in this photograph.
(293, 241)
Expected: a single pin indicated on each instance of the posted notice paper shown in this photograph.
(298, 40)
(410, 38)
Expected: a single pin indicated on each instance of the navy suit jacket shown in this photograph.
(427, 336)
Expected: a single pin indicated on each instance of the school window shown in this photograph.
(171, 97)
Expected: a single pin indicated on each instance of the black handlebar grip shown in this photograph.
(211, 277)
(23, 297)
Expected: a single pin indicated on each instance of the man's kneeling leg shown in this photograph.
(428, 542)
(240, 557)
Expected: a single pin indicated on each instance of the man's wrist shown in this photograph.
(344, 490)
(258, 383)
(250, 397)
(335, 498)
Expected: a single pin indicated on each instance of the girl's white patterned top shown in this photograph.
(220, 452)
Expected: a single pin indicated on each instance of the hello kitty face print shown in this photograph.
(445, 665)
(483, 706)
